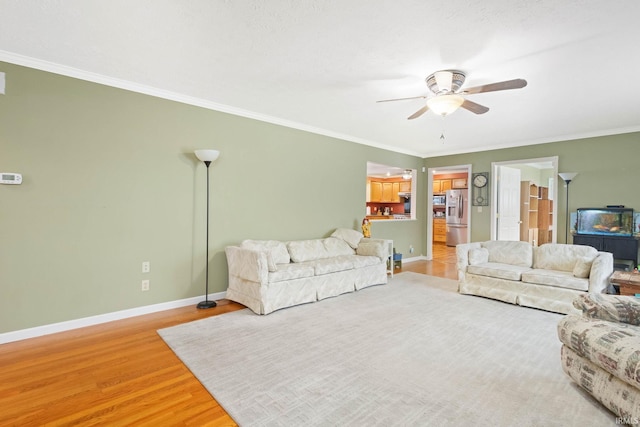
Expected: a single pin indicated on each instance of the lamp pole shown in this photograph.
(207, 156)
(567, 178)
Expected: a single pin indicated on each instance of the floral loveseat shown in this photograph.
(548, 277)
(267, 275)
(601, 351)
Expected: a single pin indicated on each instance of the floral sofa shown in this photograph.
(267, 275)
(601, 351)
(549, 276)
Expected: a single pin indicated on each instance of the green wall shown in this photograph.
(607, 173)
(110, 181)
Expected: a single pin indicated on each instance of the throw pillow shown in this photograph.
(478, 256)
(372, 249)
(582, 267)
(352, 237)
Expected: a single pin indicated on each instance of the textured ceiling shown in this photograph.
(320, 65)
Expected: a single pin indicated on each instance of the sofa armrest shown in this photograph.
(462, 256)
(373, 247)
(601, 270)
(248, 264)
(614, 308)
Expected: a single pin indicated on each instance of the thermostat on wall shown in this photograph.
(10, 178)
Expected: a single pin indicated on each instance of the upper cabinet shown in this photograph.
(440, 186)
(387, 190)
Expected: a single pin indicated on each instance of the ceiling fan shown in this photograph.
(447, 97)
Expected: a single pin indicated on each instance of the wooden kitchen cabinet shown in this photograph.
(376, 191)
(385, 191)
(439, 230)
(441, 185)
(459, 183)
(405, 186)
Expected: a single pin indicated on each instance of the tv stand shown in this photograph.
(620, 247)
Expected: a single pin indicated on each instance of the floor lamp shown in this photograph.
(207, 156)
(567, 177)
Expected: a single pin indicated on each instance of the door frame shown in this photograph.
(494, 191)
(429, 217)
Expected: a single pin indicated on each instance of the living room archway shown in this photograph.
(542, 174)
(464, 170)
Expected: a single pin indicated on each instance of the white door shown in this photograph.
(508, 203)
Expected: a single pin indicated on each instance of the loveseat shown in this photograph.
(267, 275)
(601, 351)
(549, 276)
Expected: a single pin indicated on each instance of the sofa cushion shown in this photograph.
(508, 252)
(307, 250)
(291, 271)
(614, 308)
(311, 250)
(478, 256)
(276, 249)
(499, 270)
(559, 279)
(352, 237)
(367, 247)
(583, 267)
(360, 261)
(611, 346)
(558, 256)
(337, 247)
(333, 264)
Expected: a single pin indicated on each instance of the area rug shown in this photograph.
(410, 353)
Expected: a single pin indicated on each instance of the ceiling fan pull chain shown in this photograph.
(442, 133)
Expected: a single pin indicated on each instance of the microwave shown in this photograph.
(439, 200)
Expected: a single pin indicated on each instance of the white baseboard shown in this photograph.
(415, 258)
(53, 328)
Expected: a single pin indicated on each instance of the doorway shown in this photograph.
(445, 178)
(523, 200)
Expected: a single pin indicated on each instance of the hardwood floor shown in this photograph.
(443, 264)
(122, 372)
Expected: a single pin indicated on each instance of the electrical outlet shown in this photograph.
(145, 285)
(146, 266)
(410, 249)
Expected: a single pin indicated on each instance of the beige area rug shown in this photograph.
(410, 353)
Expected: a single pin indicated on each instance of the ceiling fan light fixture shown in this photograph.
(444, 105)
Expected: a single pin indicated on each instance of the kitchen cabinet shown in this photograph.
(405, 186)
(441, 185)
(383, 191)
(376, 191)
(387, 192)
(459, 183)
(439, 230)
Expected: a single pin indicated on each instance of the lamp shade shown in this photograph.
(207, 155)
(567, 176)
(445, 104)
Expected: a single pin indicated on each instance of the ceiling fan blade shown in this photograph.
(418, 113)
(403, 99)
(474, 107)
(492, 87)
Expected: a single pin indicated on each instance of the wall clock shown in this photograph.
(480, 189)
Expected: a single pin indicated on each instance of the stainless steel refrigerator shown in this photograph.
(457, 211)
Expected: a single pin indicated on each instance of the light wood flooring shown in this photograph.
(122, 373)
